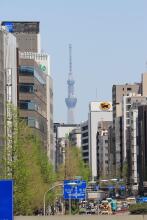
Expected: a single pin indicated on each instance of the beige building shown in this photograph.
(32, 97)
(27, 34)
(35, 81)
(118, 92)
(43, 65)
(144, 84)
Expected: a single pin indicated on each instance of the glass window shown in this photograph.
(31, 122)
(26, 70)
(85, 141)
(27, 104)
(28, 87)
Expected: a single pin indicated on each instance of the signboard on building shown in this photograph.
(74, 189)
(104, 106)
(21, 27)
(6, 199)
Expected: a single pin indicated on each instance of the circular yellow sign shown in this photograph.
(105, 106)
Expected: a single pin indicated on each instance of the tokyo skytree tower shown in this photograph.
(71, 100)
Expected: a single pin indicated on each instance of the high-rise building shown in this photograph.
(32, 97)
(35, 81)
(98, 112)
(144, 84)
(8, 90)
(130, 136)
(142, 142)
(61, 141)
(118, 91)
(75, 137)
(27, 34)
(85, 141)
(128, 102)
(71, 100)
(42, 62)
(111, 164)
(103, 149)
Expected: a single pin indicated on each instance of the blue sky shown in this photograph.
(109, 40)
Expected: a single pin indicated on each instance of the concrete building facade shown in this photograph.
(8, 90)
(27, 34)
(103, 149)
(61, 141)
(128, 102)
(85, 142)
(32, 97)
(75, 137)
(98, 112)
(34, 69)
(142, 142)
(42, 60)
(118, 91)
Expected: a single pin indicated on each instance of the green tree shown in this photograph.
(73, 165)
(26, 162)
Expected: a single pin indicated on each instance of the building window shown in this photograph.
(26, 87)
(85, 154)
(32, 122)
(85, 134)
(28, 105)
(128, 121)
(85, 147)
(26, 70)
(128, 107)
(85, 128)
(85, 141)
(129, 89)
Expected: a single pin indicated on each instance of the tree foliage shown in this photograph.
(73, 165)
(28, 166)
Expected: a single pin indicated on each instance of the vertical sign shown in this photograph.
(6, 200)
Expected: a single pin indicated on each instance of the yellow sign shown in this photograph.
(105, 106)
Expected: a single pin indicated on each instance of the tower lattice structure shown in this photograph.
(71, 100)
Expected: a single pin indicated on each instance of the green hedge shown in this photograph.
(138, 208)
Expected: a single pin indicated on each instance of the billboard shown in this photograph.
(6, 199)
(74, 189)
(105, 106)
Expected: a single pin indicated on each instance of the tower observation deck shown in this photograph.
(71, 100)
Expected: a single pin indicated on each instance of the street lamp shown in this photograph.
(60, 184)
(44, 210)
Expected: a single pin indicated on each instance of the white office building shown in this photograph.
(98, 112)
(128, 101)
(8, 89)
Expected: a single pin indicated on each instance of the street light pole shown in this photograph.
(44, 197)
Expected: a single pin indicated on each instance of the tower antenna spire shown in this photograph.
(71, 100)
(70, 59)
